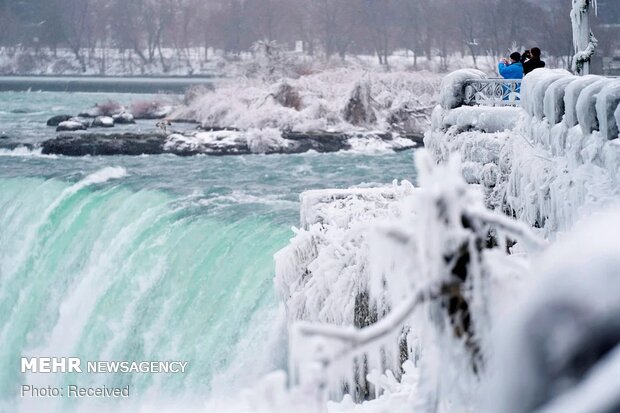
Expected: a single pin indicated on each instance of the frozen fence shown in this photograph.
(471, 87)
(492, 92)
(592, 102)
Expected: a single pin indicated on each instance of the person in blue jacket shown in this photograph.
(511, 69)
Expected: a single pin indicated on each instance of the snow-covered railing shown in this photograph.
(493, 92)
(590, 102)
(315, 202)
(472, 87)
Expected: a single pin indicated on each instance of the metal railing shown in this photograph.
(493, 92)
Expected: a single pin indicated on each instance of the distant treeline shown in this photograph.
(326, 27)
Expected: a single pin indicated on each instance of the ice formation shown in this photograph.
(566, 329)
(334, 230)
(391, 254)
(416, 262)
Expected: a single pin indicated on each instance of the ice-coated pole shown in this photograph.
(584, 42)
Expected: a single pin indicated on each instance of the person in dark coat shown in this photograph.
(531, 60)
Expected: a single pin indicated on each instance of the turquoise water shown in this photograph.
(150, 258)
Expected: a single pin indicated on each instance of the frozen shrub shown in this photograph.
(271, 60)
(149, 109)
(26, 63)
(109, 108)
(304, 69)
(288, 96)
(359, 110)
(63, 66)
(196, 91)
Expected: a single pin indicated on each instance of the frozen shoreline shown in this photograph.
(103, 84)
(221, 143)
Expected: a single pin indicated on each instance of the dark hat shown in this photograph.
(516, 56)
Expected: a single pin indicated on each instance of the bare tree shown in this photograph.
(77, 23)
(433, 28)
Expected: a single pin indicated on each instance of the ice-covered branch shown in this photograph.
(356, 338)
(514, 228)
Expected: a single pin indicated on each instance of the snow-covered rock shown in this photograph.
(123, 118)
(103, 122)
(70, 125)
(56, 120)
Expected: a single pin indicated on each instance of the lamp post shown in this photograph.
(584, 42)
